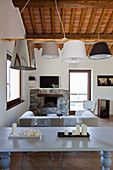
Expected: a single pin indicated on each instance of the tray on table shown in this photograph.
(21, 136)
(61, 134)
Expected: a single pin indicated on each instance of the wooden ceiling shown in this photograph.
(82, 20)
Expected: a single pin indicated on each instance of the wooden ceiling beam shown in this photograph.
(62, 17)
(84, 37)
(52, 21)
(32, 20)
(100, 21)
(61, 46)
(91, 20)
(65, 3)
(81, 20)
(42, 20)
(89, 49)
(88, 40)
(72, 19)
(38, 46)
(111, 48)
(108, 24)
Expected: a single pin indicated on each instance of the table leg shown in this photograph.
(5, 160)
(106, 160)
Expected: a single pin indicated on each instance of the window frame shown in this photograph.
(89, 86)
(16, 101)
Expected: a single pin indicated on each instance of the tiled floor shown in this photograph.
(61, 161)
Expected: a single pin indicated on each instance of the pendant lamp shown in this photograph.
(100, 51)
(74, 52)
(50, 50)
(23, 56)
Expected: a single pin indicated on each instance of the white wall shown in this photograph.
(51, 67)
(99, 67)
(10, 26)
(56, 67)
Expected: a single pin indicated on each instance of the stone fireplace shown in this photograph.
(49, 101)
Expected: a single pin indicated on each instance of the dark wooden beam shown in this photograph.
(89, 49)
(52, 21)
(65, 3)
(62, 13)
(81, 20)
(32, 20)
(100, 21)
(42, 20)
(72, 20)
(91, 20)
(38, 46)
(108, 24)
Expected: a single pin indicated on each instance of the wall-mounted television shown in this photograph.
(49, 81)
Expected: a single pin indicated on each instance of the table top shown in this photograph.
(101, 139)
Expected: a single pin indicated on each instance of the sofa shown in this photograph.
(52, 120)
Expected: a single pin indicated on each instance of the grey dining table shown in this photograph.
(101, 139)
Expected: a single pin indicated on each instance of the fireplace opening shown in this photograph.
(50, 102)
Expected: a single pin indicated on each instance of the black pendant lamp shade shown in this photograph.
(100, 51)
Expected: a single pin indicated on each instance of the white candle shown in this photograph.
(66, 132)
(25, 132)
(31, 132)
(37, 133)
(14, 129)
(28, 132)
(84, 129)
(73, 132)
(78, 129)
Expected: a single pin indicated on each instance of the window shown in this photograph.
(79, 88)
(13, 85)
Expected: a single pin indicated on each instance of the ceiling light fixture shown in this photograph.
(100, 51)
(50, 50)
(23, 56)
(74, 52)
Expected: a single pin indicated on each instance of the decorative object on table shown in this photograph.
(75, 132)
(27, 133)
(66, 132)
(103, 108)
(104, 80)
(61, 134)
(14, 129)
(84, 129)
(77, 129)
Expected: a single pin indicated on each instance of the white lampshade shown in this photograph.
(74, 52)
(23, 56)
(50, 50)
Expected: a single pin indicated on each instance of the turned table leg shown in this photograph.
(5, 160)
(106, 160)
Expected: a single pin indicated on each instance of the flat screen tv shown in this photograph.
(49, 81)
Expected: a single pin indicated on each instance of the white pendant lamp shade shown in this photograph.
(74, 52)
(50, 50)
(23, 56)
